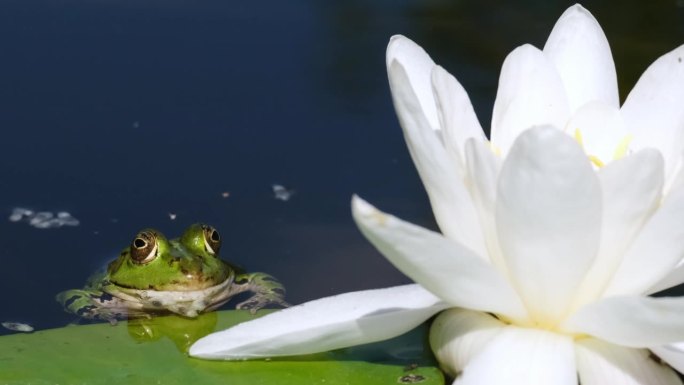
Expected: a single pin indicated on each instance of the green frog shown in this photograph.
(185, 276)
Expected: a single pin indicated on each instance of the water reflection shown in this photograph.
(182, 331)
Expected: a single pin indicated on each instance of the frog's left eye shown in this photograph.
(144, 247)
(212, 239)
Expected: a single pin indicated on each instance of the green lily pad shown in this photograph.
(155, 352)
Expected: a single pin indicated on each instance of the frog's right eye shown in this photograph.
(212, 239)
(144, 247)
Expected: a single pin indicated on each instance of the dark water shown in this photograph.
(123, 111)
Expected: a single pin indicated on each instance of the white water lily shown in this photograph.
(552, 234)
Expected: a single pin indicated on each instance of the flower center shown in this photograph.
(600, 152)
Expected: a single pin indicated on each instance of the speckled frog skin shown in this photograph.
(183, 276)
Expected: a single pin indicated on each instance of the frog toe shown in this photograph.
(259, 301)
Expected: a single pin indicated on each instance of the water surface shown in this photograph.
(122, 112)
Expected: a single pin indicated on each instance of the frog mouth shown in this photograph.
(188, 303)
(193, 283)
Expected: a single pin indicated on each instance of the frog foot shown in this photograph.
(259, 301)
(267, 291)
(93, 305)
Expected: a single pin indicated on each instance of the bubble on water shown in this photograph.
(20, 213)
(17, 327)
(66, 219)
(40, 217)
(43, 219)
(280, 192)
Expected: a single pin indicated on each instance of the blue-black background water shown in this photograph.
(123, 112)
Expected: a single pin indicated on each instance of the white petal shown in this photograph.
(451, 202)
(442, 266)
(530, 94)
(483, 170)
(457, 335)
(525, 357)
(324, 324)
(418, 66)
(579, 49)
(601, 363)
(631, 189)
(675, 180)
(673, 354)
(655, 253)
(632, 321)
(548, 218)
(653, 110)
(672, 279)
(675, 276)
(457, 117)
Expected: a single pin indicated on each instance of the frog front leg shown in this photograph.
(95, 304)
(267, 290)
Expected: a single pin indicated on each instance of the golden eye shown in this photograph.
(212, 239)
(144, 247)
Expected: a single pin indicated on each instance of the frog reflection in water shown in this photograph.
(183, 276)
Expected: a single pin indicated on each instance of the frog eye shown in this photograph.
(212, 239)
(144, 247)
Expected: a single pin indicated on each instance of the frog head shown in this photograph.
(189, 263)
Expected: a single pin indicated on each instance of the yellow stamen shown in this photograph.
(623, 147)
(578, 137)
(496, 150)
(596, 161)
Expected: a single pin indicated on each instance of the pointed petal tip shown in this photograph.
(367, 215)
(527, 47)
(210, 348)
(391, 46)
(653, 111)
(578, 16)
(579, 49)
(577, 10)
(530, 93)
(401, 45)
(356, 199)
(410, 54)
(207, 347)
(362, 208)
(202, 349)
(394, 39)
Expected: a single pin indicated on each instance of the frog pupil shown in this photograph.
(139, 243)
(215, 236)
